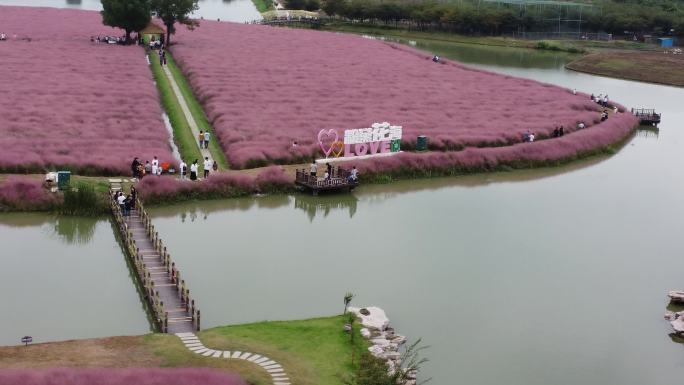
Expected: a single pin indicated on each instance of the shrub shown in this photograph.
(26, 194)
(83, 200)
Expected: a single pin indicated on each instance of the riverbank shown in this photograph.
(645, 66)
(619, 59)
(314, 351)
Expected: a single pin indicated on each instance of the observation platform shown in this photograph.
(647, 117)
(339, 181)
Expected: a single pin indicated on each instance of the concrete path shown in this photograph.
(273, 368)
(188, 115)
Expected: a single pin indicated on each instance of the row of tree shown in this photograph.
(474, 17)
(135, 15)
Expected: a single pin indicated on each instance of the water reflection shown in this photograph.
(74, 230)
(325, 204)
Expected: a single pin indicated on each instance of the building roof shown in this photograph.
(152, 29)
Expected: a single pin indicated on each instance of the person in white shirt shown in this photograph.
(155, 166)
(580, 125)
(314, 168)
(183, 170)
(206, 139)
(121, 200)
(532, 137)
(194, 169)
(207, 166)
(354, 173)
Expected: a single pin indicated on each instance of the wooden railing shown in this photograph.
(339, 177)
(160, 313)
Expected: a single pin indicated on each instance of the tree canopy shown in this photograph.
(175, 11)
(129, 15)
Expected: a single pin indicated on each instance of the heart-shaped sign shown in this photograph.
(337, 148)
(326, 139)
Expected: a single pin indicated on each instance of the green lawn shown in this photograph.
(263, 5)
(313, 352)
(182, 134)
(197, 113)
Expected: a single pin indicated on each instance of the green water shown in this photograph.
(552, 276)
(64, 278)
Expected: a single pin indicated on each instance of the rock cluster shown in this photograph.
(385, 343)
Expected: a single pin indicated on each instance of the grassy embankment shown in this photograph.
(652, 67)
(263, 5)
(312, 352)
(183, 136)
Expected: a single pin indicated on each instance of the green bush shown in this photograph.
(83, 200)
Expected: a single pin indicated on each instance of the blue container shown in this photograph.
(666, 42)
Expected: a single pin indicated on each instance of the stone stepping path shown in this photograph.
(273, 368)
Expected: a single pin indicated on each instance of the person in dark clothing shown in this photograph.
(134, 168)
(134, 197)
(560, 131)
(329, 168)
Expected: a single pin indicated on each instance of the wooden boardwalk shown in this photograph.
(339, 181)
(164, 290)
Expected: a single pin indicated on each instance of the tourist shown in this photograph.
(121, 200)
(155, 166)
(127, 206)
(313, 169)
(435, 59)
(531, 137)
(134, 196)
(574, 91)
(592, 97)
(526, 136)
(561, 132)
(135, 167)
(207, 166)
(148, 167)
(206, 139)
(3, 37)
(556, 133)
(326, 176)
(183, 170)
(605, 101)
(215, 166)
(615, 109)
(354, 175)
(295, 144)
(328, 170)
(194, 169)
(580, 125)
(201, 139)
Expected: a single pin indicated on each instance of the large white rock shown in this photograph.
(365, 333)
(376, 319)
(678, 324)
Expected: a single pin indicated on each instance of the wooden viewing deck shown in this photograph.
(646, 117)
(165, 292)
(338, 181)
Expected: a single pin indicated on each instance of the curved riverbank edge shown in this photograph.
(588, 64)
(604, 139)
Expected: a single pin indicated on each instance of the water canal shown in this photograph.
(553, 276)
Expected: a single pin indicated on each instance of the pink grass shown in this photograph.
(24, 193)
(119, 377)
(67, 102)
(265, 87)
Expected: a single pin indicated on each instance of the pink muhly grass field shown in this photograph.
(264, 87)
(67, 102)
(222, 185)
(24, 193)
(195, 376)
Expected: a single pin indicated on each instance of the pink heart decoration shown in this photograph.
(325, 136)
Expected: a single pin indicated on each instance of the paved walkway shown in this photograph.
(186, 112)
(273, 368)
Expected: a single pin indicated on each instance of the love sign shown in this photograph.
(380, 138)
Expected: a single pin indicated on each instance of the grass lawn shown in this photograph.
(312, 352)
(263, 5)
(182, 134)
(197, 113)
(647, 66)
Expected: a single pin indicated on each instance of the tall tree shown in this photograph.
(129, 15)
(175, 11)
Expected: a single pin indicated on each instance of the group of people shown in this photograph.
(209, 166)
(139, 170)
(600, 99)
(204, 139)
(558, 132)
(155, 43)
(328, 175)
(528, 136)
(126, 202)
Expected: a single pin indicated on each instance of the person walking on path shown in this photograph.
(194, 169)
(215, 166)
(328, 169)
(206, 139)
(183, 170)
(148, 167)
(134, 197)
(135, 168)
(121, 200)
(313, 170)
(201, 139)
(207, 166)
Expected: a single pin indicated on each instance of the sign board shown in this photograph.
(379, 138)
(26, 340)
